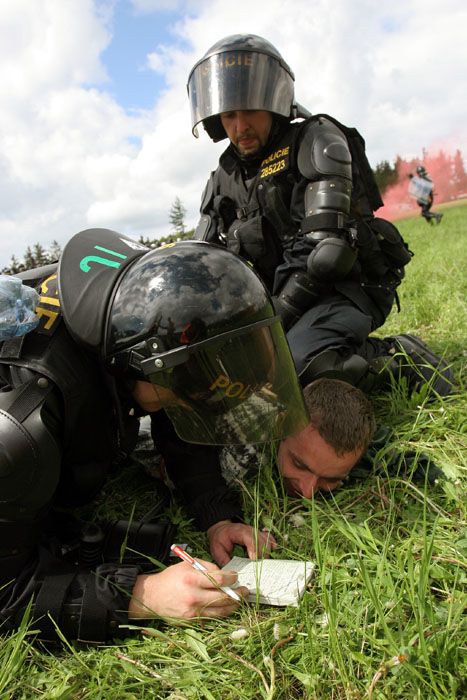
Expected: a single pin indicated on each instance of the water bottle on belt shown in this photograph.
(17, 307)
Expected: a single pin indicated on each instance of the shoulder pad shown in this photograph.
(29, 456)
(323, 150)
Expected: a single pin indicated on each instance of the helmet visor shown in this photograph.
(239, 80)
(237, 388)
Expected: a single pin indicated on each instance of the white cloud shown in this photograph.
(48, 45)
(71, 157)
(52, 128)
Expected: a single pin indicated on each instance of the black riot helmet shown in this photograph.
(240, 72)
(193, 319)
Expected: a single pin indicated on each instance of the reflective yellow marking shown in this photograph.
(50, 300)
(45, 284)
(52, 315)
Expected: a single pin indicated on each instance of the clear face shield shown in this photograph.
(238, 80)
(237, 388)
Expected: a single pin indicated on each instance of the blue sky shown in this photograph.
(94, 117)
(135, 35)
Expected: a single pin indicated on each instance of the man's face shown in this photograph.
(309, 464)
(248, 130)
(152, 398)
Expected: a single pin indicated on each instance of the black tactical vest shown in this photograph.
(254, 212)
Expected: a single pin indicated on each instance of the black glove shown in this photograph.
(297, 295)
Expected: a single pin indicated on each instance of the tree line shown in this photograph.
(37, 255)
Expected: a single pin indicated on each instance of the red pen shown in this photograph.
(199, 567)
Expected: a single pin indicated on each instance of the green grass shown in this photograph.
(384, 616)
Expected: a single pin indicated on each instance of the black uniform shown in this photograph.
(66, 427)
(302, 213)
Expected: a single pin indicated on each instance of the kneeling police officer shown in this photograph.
(123, 331)
(295, 195)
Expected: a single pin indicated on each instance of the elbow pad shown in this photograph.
(331, 260)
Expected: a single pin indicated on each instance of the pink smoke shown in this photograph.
(446, 171)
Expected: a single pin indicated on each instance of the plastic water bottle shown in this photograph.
(17, 307)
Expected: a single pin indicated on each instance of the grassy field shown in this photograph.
(384, 616)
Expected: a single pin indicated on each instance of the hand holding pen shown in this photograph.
(176, 549)
(185, 592)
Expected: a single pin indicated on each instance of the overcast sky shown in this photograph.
(94, 118)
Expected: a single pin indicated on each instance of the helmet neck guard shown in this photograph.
(89, 268)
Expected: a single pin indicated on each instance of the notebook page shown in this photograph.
(276, 581)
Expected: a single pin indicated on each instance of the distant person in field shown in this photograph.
(421, 188)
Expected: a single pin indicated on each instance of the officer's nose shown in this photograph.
(242, 121)
(309, 485)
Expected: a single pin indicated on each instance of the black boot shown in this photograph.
(412, 358)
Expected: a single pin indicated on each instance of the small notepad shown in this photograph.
(272, 581)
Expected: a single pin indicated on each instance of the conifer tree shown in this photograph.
(177, 216)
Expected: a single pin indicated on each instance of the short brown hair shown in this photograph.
(341, 413)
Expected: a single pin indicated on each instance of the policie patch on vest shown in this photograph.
(275, 162)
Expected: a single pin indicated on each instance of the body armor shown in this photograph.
(312, 187)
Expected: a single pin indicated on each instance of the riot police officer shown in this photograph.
(295, 195)
(421, 188)
(124, 330)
